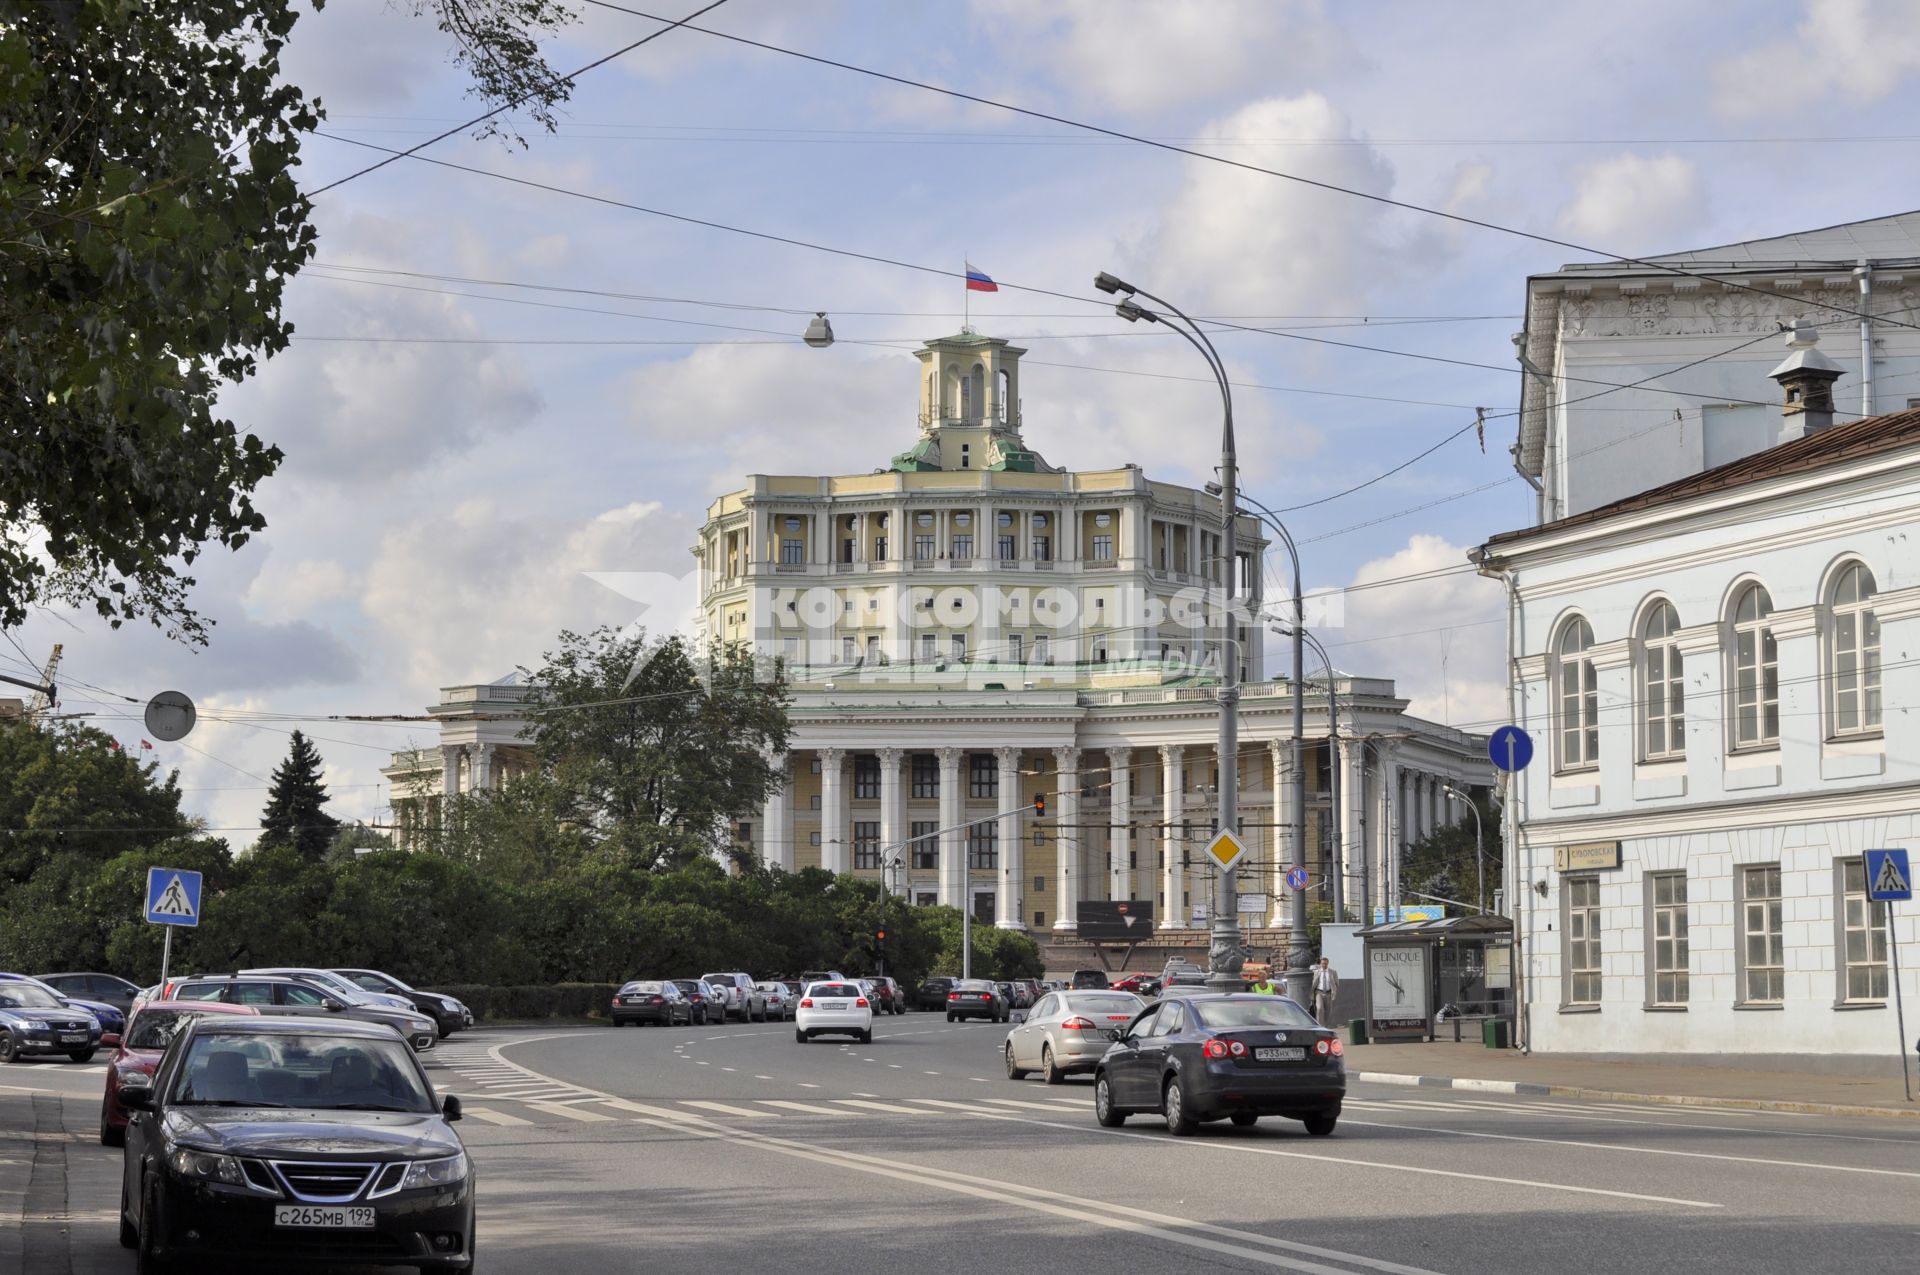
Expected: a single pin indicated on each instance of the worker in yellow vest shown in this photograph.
(1265, 987)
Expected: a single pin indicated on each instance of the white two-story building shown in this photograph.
(1719, 674)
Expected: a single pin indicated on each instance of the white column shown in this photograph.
(1443, 812)
(1067, 840)
(776, 817)
(482, 767)
(836, 855)
(892, 829)
(1120, 817)
(1280, 754)
(1012, 829)
(450, 771)
(1352, 794)
(1172, 807)
(953, 844)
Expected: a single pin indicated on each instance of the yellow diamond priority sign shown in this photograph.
(1226, 849)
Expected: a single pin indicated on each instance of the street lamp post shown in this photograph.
(1338, 856)
(1479, 847)
(1223, 950)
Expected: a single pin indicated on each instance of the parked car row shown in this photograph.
(714, 998)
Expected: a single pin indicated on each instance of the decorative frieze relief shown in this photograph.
(1716, 312)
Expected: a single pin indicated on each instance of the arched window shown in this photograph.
(1005, 411)
(1756, 671)
(1662, 694)
(977, 385)
(1854, 656)
(1579, 698)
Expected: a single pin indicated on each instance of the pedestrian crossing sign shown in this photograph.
(173, 896)
(1889, 876)
(1226, 849)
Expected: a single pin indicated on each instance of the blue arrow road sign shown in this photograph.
(1889, 876)
(1296, 878)
(173, 896)
(1510, 748)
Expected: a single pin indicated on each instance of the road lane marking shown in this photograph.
(1628, 1150)
(726, 1110)
(806, 1107)
(804, 1085)
(493, 1117)
(571, 1113)
(891, 1109)
(662, 1113)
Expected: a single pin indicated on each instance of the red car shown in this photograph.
(1131, 983)
(149, 1028)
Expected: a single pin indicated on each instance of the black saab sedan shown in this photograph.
(1194, 1059)
(271, 1139)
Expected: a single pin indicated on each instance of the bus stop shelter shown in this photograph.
(1421, 974)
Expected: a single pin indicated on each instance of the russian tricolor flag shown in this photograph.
(977, 280)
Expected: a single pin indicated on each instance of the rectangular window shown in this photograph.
(1003, 547)
(959, 646)
(866, 777)
(1103, 548)
(866, 843)
(963, 547)
(879, 548)
(792, 551)
(928, 651)
(1043, 549)
(922, 548)
(873, 649)
(1668, 899)
(813, 839)
(926, 775)
(847, 652)
(1863, 950)
(1042, 649)
(1763, 975)
(1039, 885)
(813, 802)
(926, 846)
(1580, 982)
(745, 834)
(1016, 648)
(1039, 920)
(983, 775)
(983, 846)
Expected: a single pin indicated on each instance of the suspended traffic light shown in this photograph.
(1040, 807)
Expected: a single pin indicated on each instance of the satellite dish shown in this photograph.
(170, 716)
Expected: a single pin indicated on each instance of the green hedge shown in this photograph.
(558, 1000)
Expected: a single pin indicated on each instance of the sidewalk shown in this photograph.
(1444, 1064)
(59, 1190)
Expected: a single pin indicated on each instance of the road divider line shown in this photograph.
(726, 1109)
(493, 1117)
(892, 1109)
(805, 1107)
(571, 1113)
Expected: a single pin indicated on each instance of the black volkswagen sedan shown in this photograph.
(1194, 1059)
(272, 1139)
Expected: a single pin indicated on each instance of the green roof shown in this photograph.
(917, 459)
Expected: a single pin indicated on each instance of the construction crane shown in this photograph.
(44, 691)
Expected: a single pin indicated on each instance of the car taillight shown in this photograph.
(1323, 1046)
(1077, 1024)
(655, 1000)
(1214, 1049)
(953, 996)
(861, 1003)
(1237, 1049)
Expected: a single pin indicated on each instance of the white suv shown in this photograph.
(744, 1001)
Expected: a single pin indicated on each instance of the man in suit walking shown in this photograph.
(1326, 987)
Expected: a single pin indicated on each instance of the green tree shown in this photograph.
(70, 789)
(149, 223)
(654, 754)
(1443, 863)
(294, 814)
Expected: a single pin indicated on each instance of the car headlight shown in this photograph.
(38, 1029)
(206, 1166)
(424, 1173)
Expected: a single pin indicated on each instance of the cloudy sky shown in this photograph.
(460, 452)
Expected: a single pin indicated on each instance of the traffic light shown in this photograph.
(1040, 806)
(880, 937)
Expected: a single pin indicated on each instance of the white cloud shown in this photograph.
(1439, 639)
(1145, 55)
(469, 594)
(1858, 50)
(282, 593)
(1631, 203)
(1252, 244)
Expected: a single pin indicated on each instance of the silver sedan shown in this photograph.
(1066, 1032)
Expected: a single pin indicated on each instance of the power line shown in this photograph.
(510, 105)
(1331, 187)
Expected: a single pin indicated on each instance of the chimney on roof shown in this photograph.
(1806, 383)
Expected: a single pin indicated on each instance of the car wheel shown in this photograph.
(81, 1055)
(1013, 1072)
(150, 1260)
(1244, 1119)
(129, 1234)
(799, 1035)
(1049, 1071)
(110, 1136)
(1180, 1119)
(1109, 1116)
(9, 1048)
(1321, 1125)
(949, 1017)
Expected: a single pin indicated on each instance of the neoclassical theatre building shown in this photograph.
(968, 628)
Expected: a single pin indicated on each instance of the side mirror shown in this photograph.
(110, 1040)
(450, 1108)
(333, 1006)
(1115, 1034)
(136, 1097)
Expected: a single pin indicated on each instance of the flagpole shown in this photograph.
(966, 296)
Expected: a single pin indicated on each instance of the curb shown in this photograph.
(1528, 1089)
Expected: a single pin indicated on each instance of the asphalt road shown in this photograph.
(737, 1149)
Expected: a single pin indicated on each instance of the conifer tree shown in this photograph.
(294, 816)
